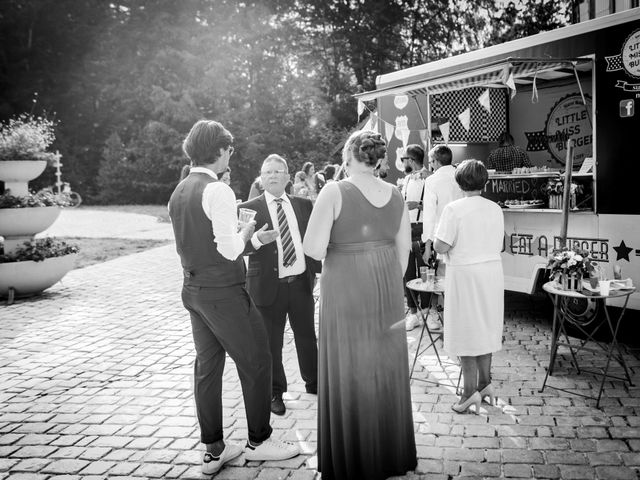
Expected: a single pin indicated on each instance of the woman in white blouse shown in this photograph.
(470, 235)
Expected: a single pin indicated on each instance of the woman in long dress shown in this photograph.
(470, 234)
(360, 227)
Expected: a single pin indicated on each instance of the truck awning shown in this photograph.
(495, 74)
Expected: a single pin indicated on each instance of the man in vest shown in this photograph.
(224, 319)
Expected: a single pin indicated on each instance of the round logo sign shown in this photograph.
(631, 54)
(569, 119)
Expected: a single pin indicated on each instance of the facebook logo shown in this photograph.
(627, 108)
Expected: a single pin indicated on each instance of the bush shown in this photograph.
(40, 199)
(39, 250)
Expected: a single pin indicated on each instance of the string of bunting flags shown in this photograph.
(401, 130)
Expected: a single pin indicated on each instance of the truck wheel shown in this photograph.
(582, 311)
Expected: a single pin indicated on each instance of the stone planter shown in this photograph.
(16, 174)
(19, 225)
(29, 278)
(16, 222)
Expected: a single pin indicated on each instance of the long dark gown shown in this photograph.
(365, 424)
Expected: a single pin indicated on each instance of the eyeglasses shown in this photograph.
(405, 158)
(266, 173)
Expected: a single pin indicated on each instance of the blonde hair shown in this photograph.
(364, 146)
(274, 157)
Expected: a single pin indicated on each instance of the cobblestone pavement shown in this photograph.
(95, 382)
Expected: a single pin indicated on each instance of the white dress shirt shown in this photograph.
(440, 189)
(412, 189)
(219, 205)
(299, 265)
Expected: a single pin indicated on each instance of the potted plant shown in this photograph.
(35, 266)
(24, 141)
(568, 266)
(28, 266)
(27, 215)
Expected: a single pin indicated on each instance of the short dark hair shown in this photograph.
(471, 175)
(205, 141)
(329, 172)
(416, 152)
(442, 154)
(505, 138)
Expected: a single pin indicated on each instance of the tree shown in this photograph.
(280, 74)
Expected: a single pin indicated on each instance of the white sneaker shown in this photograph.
(270, 449)
(411, 321)
(433, 322)
(212, 465)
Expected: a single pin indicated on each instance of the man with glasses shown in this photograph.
(224, 320)
(413, 193)
(280, 278)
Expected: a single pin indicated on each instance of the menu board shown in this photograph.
(500, 189)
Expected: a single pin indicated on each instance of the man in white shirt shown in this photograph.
(413, 193)
(224, 319)
(440, 188)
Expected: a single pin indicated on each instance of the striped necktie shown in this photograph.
(288, 250)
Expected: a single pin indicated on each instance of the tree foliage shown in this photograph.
(127, 79)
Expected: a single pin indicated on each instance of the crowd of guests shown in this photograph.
(366, 237)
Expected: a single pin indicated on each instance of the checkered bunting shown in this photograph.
(485, 126)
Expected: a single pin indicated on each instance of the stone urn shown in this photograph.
(29, 277)
(16, 174)
(19, 225)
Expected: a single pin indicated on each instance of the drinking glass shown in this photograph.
(246, 215)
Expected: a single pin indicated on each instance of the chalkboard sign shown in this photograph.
(500, 189)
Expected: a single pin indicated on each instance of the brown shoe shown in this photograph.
(277, 405)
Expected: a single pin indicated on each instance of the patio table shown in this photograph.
(562, 318)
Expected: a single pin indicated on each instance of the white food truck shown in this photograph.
(580, 82)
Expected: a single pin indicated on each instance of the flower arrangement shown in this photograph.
(27, 137)
(570, 261)
(39, 250)
(40, 199)
(555, 186)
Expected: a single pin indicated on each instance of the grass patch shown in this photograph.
(98, 250)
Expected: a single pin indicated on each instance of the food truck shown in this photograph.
(580, 82)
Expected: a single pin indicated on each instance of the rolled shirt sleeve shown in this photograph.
(447, 227)
(219, 205)
(429, 213)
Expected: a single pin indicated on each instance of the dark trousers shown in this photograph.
(413, 271)
(225, 320)
(295, 300)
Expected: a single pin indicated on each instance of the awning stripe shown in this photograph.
(493, 74)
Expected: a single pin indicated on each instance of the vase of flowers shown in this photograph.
(24, 141)
(568, 266)
(554, 189)
(28, 266)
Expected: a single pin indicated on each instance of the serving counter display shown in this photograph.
(539, 191)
